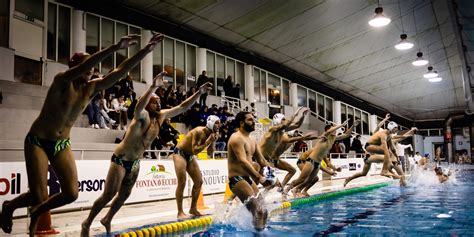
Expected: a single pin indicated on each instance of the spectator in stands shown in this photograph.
(168, 135)
(228, 86)
(202, 79)
(223, 138)
(195, 116)
(357, 145)
(48, 138)
(126, 88)
(336, 148)
(203, 115)
(191, 91)
(103, 109)
(236, 92)
(125, 162)
(180, 94)
(118, 105)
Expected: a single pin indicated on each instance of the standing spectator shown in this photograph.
(228, 86)
(126, 87)
(357, 145)
(400, 150)
(202, 79)
(236, 92)
(180, 94)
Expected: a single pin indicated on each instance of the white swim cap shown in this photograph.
(392, 125)
(292, 133)
(277, 118)
(211, 120)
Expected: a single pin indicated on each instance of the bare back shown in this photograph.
(322, 148)
(249, 145)
(140, 134)
(64, 102)
(377, 138)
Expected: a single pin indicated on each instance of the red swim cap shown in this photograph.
(153, 99)
(77, 59)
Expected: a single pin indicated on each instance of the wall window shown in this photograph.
(158, 58)
(328, 107)
(312, 100)
(343, 112)
(240, 78)
(92, 34)
(365, 123)
(169, 60)
(230, 69)
(358, 116)
(4, 23)
(191, 76)
(350, 116)
(31, 8)
(220, 74)
(320, 101)
(180, 58)
(286, 92)
(211, 69)
(274, 89)
(107, 39)
(121, 30)
(135, 73)
(59, 33)
(302, 96)
(263, 86)
(256, 84)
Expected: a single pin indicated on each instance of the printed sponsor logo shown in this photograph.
(352, 166)
(160, 177)
(88, 185)
(10, 185)
(211, 177)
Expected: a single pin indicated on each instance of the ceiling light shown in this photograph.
(379, 19)
(420, 61)
(431, 73)
(435, 79)
(404, 43)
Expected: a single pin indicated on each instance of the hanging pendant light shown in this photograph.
(404, 43)
(431, 73)
(420, 61)
(379, 19)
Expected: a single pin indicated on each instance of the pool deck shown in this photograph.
(136, 215)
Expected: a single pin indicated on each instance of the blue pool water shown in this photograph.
(425, 208)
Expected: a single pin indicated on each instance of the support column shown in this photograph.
(372, 122)
(147, 62)
(294, 95)
(336, 112)
(249, 83)
(78, 31)
(201, 62)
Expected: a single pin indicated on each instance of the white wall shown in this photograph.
(7, 59)
(460, 142)
(419, 145)
(428, 144)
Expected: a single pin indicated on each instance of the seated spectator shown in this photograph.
(180, 94)
(104, 110)
(120, 111)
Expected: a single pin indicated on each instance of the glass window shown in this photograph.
(328, 107)
(4, 23)
(220, 73)
(230, 69)
(286, 92)
(180, 63)
(92, 34)
(107, 39)
(240, 78)
(263, 86)
(169, 59)
(312, 101)
(350, 116)
(343, 113)
(302, 96)
(51, 38)
(121, 30)
(27, 70)
(64, 34)
(158, 58)
(365, 123)
(31, 8)
(320, 102)
(358, 115)
(135, 73)
(274, 89)
(191, 66)
(256, 86)
(422, 133)
(211, 69)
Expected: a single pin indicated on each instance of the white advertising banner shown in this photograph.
(13, 182)
(349, 167)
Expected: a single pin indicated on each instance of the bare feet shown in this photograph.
(305, 194)
(182, 215)
(346, 182)
(85, 229)
(195, 213)
(296, 193)
(34, 222)
(6, 218)
(389, 174)
(106, 224)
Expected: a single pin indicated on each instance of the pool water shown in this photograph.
(424, 208)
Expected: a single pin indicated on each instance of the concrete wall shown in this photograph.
(428, 144)
(461, 142)
(7, 59)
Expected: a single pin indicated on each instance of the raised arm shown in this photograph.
(305, 137)
(348, 132)
(75, 72)
(398, 138)
(145, 98)
(127, 65)
(185, 105)
(334, 128)
(196, 137)
(297, 124)
(387, 116)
